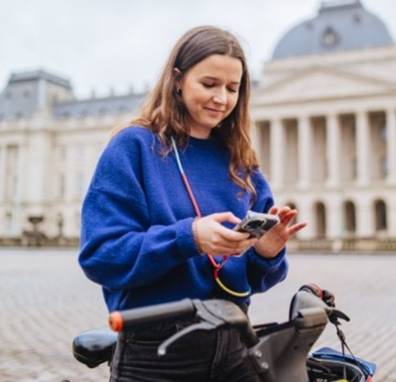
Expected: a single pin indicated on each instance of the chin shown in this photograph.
(212, 125)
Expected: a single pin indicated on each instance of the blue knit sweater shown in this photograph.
(137, 240)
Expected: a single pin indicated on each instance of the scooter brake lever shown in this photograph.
(334, 314)
(162, 349)
(208, 321)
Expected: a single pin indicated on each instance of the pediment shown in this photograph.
(318, 83)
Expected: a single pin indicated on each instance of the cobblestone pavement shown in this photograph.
(45, 300)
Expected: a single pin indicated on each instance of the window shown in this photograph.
(80, 153)
(14, 185)
(61, 186)
(9, 222)
(320, 220)
(11, 171)
(384, 166)
(329, 37)
(349, 217)
(80, 185)
(382, 131)
(62, 153)
(380, 216)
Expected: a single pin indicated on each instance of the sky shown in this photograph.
(119, 45)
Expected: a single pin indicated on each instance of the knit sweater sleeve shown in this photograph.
(120, 248)
(264, 273)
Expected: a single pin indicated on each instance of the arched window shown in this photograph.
(320, 220)
(329, 37)
(349, 217)
(380, 216)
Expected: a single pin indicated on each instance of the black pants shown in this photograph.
(214, 356)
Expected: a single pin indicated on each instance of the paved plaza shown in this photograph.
(45, 300)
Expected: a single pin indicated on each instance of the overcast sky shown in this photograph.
(103, 44)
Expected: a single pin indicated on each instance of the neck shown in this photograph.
(200, 133)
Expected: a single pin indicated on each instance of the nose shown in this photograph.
(220, 97)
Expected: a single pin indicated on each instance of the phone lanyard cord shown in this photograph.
(216, 266)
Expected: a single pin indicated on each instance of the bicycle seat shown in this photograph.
(94, 347)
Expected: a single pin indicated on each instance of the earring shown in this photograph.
(178, 92)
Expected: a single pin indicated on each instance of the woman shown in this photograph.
(158, 216)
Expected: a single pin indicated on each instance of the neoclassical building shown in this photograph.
(324, 116)
(325, 126)
(49, 145)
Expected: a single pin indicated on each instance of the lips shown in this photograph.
(214, 111)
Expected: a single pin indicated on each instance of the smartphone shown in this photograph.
(257, 224)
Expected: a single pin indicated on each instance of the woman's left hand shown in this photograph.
(275, 239)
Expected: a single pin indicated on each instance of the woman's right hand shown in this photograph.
(215, 239)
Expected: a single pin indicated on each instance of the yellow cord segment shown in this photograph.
(231, 292)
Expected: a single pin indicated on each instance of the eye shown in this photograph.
(208, 85)
(233, 90)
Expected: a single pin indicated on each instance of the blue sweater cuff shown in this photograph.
(264, 263)
(185, 238)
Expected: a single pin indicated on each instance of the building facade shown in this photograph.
(324, 116)
(49, 145)
(325, 126)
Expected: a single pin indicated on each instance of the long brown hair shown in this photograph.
(165, 113)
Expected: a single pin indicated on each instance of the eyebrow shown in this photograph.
(216, 79)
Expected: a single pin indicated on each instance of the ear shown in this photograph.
(178, 77)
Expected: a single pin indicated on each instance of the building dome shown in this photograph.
(338, 26)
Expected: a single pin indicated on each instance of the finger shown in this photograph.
(286, 219)
(273, 210)
(231, 235)
(243, 246)
(225, 216)
(235, 249)
(284, 211)
(297, 227)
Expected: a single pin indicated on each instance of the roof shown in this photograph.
(98, 106)
(338, 26)
(26, 93)
(39, 75)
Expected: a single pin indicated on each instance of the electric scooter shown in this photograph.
(279, 352)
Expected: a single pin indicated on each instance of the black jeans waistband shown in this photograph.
(165, 329)
(160, 331)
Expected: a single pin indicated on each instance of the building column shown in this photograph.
(333, 151)
(334, 217)
(391, 146)
(277, 154)
(304, 152)
(363, 149)
(255, 135)
(306, 213)
(391, 214)
(2, 172)
(365, 219)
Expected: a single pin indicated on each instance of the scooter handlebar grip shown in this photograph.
(139, 317)
(116, 321)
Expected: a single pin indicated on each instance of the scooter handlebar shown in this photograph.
(139, 317)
